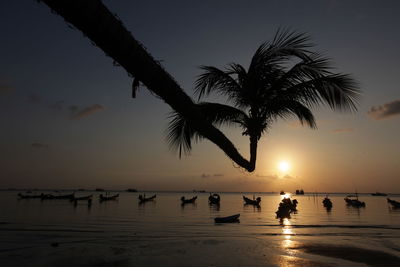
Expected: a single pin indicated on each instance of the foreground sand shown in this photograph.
(193, 251)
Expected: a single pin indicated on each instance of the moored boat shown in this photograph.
(143, 199)
(395, 204)
(286, 207)
(51, 196)
(214, 199)
(228, 219)
(327, 203)
(190, 200)
(354, 202)
(249, 201)
(28, 196)
(81, 198)
(132, 190)
(300, 192)
(378, 194)
(199, 191)
(106, 198)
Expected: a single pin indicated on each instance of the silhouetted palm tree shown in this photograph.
(284, 79)
(107, 32)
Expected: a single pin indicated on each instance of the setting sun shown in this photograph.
(284, 166)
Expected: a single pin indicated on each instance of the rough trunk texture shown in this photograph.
(109, 34)
(253, 152)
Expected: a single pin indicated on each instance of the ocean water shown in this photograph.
(163, 232)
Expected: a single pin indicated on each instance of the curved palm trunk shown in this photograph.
(109, 34)
(253, 151)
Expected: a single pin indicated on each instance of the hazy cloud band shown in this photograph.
(385, 111)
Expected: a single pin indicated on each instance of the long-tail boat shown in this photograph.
(29, 196)
(106, 198)
(82, 198)
(249, 201)
(229, 219)
(187, 201)
(395, 204)
(143, 199)
(51, 196)
(327, 203)
(354, 202)
(214, 199)
(286, 207)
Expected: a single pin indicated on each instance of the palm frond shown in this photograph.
(216, 80)
(289, 108)
(339, 91)
(180, 134)
(220, 114)
(285, 45)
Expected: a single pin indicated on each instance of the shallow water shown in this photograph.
(124, 233)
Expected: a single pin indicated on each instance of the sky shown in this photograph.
(68, 120)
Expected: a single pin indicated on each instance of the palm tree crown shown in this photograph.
(284, 79)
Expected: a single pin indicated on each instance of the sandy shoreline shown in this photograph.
(204, 251)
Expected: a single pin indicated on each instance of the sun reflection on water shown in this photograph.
(286, 195)
(287, 232)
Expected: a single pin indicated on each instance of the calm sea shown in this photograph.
(124, 233)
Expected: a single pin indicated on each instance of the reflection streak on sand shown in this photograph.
(287, 232)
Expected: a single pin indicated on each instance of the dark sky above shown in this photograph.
(67, 119)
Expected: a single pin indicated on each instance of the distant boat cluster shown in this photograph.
(71, 197)
(286, 207)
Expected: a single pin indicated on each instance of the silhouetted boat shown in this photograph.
(286, 207)
(354, 202)
(131, 190)
(300, 192)
(81, 198)
(214, 199)
(186, 201)
(106, 198)
(395, 204)
(144, 199)
(99, 189)
(282, 193)
(51, 196)
(249, 201)
(199, 191)
(29, 196)
(378, 194)
(229, 219)
(327, 203)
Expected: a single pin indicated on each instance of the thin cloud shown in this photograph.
(273, 176)
(343, 130)
(205, 175)
(77, 113)
(287, 176)
(39, 145)
(385, 111)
